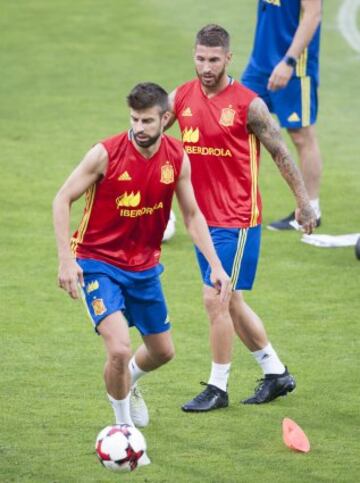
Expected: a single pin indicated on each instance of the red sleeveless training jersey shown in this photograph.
(126, 212)
(224, 155)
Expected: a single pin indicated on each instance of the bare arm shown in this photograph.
(91, 168)
(197, 227)
(261, 123)
(308, 24)
(172, 118)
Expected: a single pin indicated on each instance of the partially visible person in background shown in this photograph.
(357, 249)
(283, 70)
(170, 228)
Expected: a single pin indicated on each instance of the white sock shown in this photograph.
(269, 361)
(135, 371)
(121, 409)
(219, 375)
(315, 205)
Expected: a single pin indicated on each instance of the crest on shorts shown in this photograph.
(227, 116)
(98, 306)
(167, 173)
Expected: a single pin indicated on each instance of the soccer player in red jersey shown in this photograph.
(129, 181)
(222, 125)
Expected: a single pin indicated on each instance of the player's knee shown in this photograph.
(119, 356)
(165, 354)
(210, 300)
(301, 137)
(212, 303)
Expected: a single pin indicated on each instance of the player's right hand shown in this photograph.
(70, 275)
(306, 217)
(221, 281)
(280, 76)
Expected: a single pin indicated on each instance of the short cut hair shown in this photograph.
(146, 95)
(213, 35)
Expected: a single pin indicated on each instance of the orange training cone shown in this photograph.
(294, 437)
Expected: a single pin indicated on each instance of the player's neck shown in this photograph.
(220, 86)
(147, 152)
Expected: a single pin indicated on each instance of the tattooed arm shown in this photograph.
(261, 123)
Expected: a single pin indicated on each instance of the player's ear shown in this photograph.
(228, 57)
(165, 118)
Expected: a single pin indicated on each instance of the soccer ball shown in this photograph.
(121, 448)
(170, 228)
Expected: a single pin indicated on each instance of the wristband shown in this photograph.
(290, 61)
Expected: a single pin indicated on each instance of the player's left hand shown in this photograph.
(280, 76)
(221, 281)
(306, 217)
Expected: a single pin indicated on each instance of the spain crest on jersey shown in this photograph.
(227, 116)
(167, 173)
(98, 306)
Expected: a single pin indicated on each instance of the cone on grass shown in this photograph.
(294, 437)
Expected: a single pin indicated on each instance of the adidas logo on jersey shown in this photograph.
(293, 117)
(187, 112)
(124, 177)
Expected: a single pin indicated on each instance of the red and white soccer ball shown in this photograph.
(121, 448)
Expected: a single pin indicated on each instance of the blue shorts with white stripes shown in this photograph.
(138, 295)
(295, 105)
(238, 250)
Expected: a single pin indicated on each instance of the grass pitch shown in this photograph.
(66, 69)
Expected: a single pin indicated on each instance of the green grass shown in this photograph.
(66, 69)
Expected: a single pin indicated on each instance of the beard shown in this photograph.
(211, 80)
(145, 141)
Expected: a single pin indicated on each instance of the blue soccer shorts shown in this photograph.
(296, 105)
(138, 295)
(238, 250)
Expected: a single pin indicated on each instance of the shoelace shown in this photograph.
(136, 393)
(203, 395)
(260, 384)
(137, 397)
(262, 381)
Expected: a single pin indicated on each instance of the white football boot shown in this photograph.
(144, 460)
(138, 410)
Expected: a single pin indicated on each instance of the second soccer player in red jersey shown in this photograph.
(222, 125)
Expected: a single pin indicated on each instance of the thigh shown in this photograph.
(115, 332)
(145, 306)
(159, 343)
(102, 297)
(225, 242)
(238, 250)
(247, 257)
(296, 105)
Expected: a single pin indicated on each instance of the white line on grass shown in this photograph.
(347, 23)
